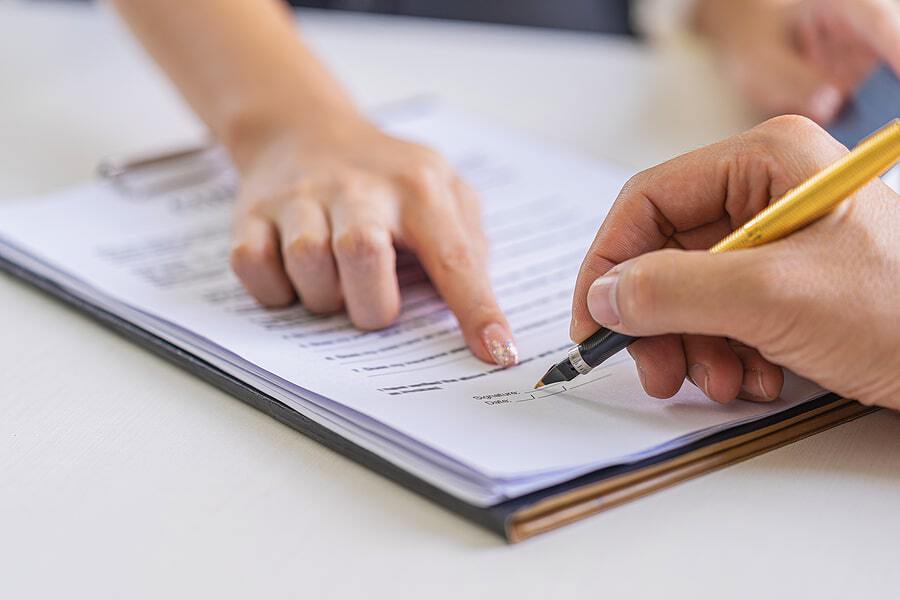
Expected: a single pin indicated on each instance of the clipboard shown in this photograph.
(515, 519)
(527, 516)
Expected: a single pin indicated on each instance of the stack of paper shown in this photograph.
(412, 393)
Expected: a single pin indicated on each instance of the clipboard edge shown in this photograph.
(590, 500)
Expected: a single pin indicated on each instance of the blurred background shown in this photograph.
(602, 16)
(605, 16)
(81, 88)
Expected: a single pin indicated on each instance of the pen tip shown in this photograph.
(556, 375)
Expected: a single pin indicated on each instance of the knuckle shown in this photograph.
(792, 130)
(352, 184)
(239, 260)
(303, 188)
(456, 258)
(246, 258)
(792, 146)
(308, 249)
(362, 244)
(324, 303)
(426, 177)
(377, 318)
(635, 183)
(247, 261)
(792, 125)
(272, 201)
(251, 205)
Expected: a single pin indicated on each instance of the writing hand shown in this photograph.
(821, 302)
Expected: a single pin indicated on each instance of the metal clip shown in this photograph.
(151, 175)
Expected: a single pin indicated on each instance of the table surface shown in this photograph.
(122, 475)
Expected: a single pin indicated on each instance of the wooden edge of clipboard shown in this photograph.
(577, 504)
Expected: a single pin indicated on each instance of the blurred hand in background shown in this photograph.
(804, 57)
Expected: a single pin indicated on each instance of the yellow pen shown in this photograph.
(801, 206)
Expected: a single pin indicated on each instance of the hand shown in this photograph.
(325, 196)
(319, 217)
(821, 302)
(802, 56)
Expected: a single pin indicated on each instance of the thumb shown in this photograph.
(674, 291)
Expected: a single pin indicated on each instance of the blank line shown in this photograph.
(604, 376)
(417, 347)
(563, 387)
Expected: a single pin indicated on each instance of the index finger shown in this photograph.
(450, 252)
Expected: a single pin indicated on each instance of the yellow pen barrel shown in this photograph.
(816, 197)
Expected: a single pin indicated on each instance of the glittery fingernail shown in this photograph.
(498, 341)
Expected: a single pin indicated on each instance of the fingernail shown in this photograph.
(602, 299)
(498, 341)
(825, 103)
(574, 325)
(762, 386)
(641, 375)
(753, 386)
(699, 374)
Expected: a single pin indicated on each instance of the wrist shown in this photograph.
(257, 128)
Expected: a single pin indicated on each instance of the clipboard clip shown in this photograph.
(151, 175)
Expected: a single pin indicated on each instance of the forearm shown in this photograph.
(242, 67)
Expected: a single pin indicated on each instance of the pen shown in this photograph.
(804, 204)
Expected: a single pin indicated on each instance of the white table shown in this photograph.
(122, 476)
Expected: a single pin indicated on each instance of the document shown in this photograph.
(157, 254)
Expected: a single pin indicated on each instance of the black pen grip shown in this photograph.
(603, 344)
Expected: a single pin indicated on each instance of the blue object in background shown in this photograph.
(601, 16)
(876, 103)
